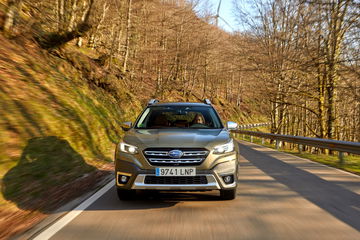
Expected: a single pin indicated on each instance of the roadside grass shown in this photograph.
(351, 162)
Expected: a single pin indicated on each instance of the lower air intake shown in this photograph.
(176, 180)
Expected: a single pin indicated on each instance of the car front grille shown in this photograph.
(161, 157)
(176, 180)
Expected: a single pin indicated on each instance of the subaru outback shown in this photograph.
(177, 147)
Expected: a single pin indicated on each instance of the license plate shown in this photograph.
(176, 172)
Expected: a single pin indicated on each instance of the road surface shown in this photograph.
(280, 196)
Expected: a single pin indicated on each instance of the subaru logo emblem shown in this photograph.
(175, 154)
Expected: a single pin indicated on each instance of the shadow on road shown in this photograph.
(46, 164)
(336, 200)
(149, 200)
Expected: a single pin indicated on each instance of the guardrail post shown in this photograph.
(300, 148)
(277, 143)
(262, 141)
(341, 158)
(251, 139)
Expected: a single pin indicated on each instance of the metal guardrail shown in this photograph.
(335, 145)
(253, 125)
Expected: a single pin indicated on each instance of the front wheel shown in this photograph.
(124, 194)
(228, 194)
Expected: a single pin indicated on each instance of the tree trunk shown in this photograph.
(14, 7)
(128, 34)
(71, 24)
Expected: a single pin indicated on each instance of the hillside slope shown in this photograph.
(55, 127)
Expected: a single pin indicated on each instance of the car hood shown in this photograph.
(176, 138)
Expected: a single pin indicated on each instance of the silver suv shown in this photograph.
(177, 147)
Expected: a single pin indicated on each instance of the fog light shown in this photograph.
(123, 179)
(228, 179)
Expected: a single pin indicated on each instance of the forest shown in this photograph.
(296, 62)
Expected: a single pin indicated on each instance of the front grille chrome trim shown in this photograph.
(156, 153)
(175, 160)
(160, 157)
(195, 153)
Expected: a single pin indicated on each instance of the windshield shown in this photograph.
(179, 117)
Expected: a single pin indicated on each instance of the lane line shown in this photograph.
(62, 222)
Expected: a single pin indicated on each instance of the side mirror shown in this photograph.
(231, 125)
(126, 126)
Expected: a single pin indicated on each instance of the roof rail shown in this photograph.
(153, 101)
(207, 101)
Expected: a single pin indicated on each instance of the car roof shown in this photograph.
(193, 104)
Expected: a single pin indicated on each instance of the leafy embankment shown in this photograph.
(58, 123)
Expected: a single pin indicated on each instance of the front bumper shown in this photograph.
(211, 184)
(213, 176)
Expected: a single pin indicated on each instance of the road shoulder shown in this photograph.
(62, 211)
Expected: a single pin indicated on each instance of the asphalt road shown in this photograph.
(279, 197)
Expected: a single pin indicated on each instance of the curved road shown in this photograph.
(280, 196)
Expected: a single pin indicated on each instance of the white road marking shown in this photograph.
(62, 222)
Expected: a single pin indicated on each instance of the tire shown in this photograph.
(228, 194)
(125, 195)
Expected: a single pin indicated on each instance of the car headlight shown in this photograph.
(225, 148)
(127, 148)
